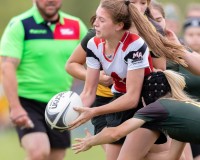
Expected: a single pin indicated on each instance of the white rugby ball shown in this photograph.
(59, 112)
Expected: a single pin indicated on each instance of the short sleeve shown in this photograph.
(152, 112)
(92, 60)
(12, 41)
(89, 35)
(138, 55)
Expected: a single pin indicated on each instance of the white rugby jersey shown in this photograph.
(131, 53)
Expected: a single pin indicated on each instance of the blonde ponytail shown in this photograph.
(177, 84)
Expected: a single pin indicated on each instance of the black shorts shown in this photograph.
(100, 122)
(36, 111)
(115, 119)
(195, 149)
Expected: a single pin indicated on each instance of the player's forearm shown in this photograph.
(106, 136)
(112, 134)
(88, 98)
(89, 91)
(10, 84)
(122, 103)
(76, 70)
(193, 60)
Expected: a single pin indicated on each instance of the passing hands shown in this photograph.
(19, 117)
(85, 115)
(171, 36)
(82, 143)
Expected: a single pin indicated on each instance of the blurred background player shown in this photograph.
(193, 10)
(191, 38)
(34, 48)
(4, 110)
(172, 18)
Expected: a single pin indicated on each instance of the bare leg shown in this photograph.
(112, 151)
(174, 153)
(57, 154)
(186, 155)
(197, 158)
(188, 152)
(31, 142)
(161, 147)
(137, 144)
(104, 147)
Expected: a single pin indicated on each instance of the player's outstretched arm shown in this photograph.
(107, 135)
(192, 59)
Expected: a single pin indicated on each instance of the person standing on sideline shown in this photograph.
(34, 48)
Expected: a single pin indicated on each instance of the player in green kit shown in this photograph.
(168, 110)
(34, 48)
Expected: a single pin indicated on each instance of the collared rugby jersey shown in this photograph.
(43, 49)
(102, 90)
(131, 53)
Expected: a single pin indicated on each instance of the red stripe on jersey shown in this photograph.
(128, 38)
(97, 41)
(104, 54)
(150, 68)
(120, 84)
(69, 30)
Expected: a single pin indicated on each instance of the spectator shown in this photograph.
(193, 10)
(172, 18)
(34, 48)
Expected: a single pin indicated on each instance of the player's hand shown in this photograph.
(105, 80)
(171, 36)
(19, 117)
(82, 143)
(85, 115)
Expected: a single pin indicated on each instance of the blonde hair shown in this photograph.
(177, 84)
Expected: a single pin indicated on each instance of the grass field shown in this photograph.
(10, 150)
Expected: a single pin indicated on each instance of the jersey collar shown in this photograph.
(39, 19)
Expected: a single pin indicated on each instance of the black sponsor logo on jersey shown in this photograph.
(136, 56)
(36, 31)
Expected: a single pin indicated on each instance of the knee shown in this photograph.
(38, 154)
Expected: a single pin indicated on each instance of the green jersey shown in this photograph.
(180, 120)
(192, 82)
(43, 49)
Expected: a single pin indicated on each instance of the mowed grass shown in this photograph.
(10, 149)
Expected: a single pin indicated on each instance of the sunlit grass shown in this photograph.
(11, 150)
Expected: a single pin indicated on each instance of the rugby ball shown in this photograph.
(59, 112)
